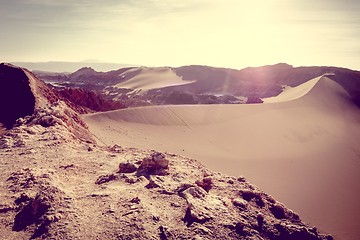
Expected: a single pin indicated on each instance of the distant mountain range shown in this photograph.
(196, 84)
(69, 67)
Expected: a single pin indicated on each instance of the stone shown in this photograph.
(156, 164)
(105, 178)
(31, 213)
(127, 167)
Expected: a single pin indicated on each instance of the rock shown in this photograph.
(164, 233)
(241, 203)
(157, 164)
(116, 149)
(254, 99)
(135, 200)
(16, 97)
(5, 208)
(201, 205)
(127, 167)
(4, 143)
(153, 183)
(241, 179)
(88, 100)
(206, 183)
(43, 228)
(260, 219)
(25, 97)
(105, 178)
(30, 213)
(278, 211)
(249, 195)
(23, 198)
(196, 200)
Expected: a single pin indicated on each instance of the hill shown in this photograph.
(142, 86)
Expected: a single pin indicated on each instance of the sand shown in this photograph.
(144, 78)
(302, 148)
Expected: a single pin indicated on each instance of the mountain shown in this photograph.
(69, 67)
(194, 84)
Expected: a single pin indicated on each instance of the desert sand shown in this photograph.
(302, 148)
(150, 78)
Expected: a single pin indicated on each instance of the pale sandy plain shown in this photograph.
(301, 147)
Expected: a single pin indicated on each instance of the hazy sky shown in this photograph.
(227, 33)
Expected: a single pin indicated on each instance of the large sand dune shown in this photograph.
(305, 152)
(150, 78)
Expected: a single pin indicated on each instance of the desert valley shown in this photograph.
(193, 152)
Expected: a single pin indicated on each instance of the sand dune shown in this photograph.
(304, 152)
(150, 78)
(291, 93)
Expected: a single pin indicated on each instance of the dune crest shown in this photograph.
(150, 78)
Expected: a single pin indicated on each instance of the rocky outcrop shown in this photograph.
(16, 94)
(88, 100)
(202, 204)
(26, 100)
(254, 99)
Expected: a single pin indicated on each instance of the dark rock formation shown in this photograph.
(16, 96)
(127, 167)
(254, 99)
(25, 99)
(87, 100)
(31, 213)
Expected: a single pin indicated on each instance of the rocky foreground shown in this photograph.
(55, 186)
(57, 183)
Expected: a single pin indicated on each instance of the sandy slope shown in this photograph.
(150, 78)
(291, 93)
(304, 152)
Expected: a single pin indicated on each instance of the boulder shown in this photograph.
(156, 164)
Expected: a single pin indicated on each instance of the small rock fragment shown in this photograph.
(206, 183)
(135, 200)
(241, 179)
(5, 208)
(197, 205)
(164, 233)
(240, 203)
(127, 167)
(153, 183)
(105, 178)
(22, 198)
(260, 219)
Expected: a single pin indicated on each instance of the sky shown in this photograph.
(228, 33)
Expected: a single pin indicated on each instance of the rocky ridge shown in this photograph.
(23, 94)
(85, 101)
